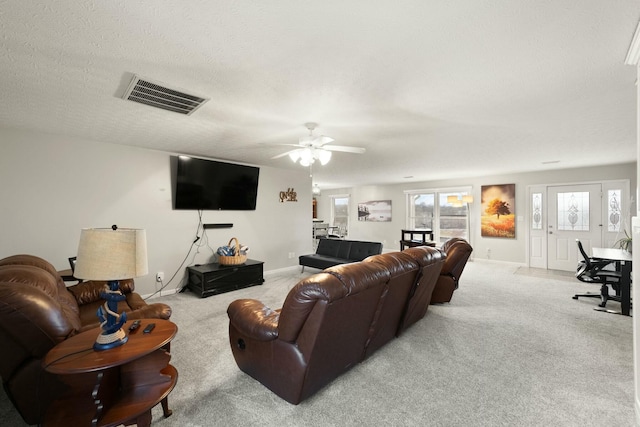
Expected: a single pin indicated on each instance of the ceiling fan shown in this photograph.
(311, 148)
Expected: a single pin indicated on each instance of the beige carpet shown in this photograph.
(511, 349)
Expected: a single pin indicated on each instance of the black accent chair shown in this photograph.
(592, 270)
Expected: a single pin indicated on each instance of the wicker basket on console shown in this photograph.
(237, 259)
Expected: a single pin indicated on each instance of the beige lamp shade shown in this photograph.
(467, 199)
(107, 254)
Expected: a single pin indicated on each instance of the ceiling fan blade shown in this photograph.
(292, 145)
(344, 149)
(321, 140)
(283, 154)
(314, 141)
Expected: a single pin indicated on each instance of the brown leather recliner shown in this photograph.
(37, 311)
(329, 322)
(458, 252)
(422, 295)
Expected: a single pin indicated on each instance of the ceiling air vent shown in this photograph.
(154, 94)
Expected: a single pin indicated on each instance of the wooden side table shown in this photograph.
(115, 386)
(412, 241)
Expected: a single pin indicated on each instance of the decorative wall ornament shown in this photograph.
(288, 196)
(498, 211)
(375, 211)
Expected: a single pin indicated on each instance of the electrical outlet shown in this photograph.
(159, 276)
(292, 255)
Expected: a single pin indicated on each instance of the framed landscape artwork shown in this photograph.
(375, 211)
(498, 211)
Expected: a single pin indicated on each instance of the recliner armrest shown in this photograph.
(88, 292)
(142, 310)
(253, 319)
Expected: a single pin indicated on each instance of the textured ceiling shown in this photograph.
(431, 89)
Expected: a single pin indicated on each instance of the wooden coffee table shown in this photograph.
(115, 386)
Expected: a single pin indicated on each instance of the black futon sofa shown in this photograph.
(332, 252)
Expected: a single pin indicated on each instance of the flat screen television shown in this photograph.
(200, 184)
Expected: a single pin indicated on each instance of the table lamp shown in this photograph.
(111, 254)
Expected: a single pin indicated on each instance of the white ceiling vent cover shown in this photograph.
(155, 94)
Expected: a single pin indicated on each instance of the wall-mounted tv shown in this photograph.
(211, 185)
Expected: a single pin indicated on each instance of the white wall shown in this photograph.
(632, 59)
(511, 250)
(52, 186)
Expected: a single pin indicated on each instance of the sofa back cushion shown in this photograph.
(360, 250)
(32, 321)
(63, 297)
(431, 261)
(458, 252)
(328, 247)
(403, 273)
(351, 250)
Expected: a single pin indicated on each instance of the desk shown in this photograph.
(412, 241)
(115, 386)
(623, 265)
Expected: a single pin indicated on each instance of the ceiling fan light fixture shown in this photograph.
(324, 156)
(294, 155)
(313, 148)
(306, 157)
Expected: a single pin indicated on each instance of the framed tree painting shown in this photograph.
(498, 211)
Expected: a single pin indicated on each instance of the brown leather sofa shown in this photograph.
(332, 320)
(37, 311)
(458, 252)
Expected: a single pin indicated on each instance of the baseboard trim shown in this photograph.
(495, 261)
(281, 270)
(162, 293)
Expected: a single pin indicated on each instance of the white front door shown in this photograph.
(538, 229)
(574, 212)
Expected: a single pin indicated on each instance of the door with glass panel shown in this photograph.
(574, 212)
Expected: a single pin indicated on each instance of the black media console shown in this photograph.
(213, 279)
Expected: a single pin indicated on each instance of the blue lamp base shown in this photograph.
(112, 334)
(105, 341)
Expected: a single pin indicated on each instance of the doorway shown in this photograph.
(596, 213)
(574, 213)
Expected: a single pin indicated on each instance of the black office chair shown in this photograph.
(592, 270)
